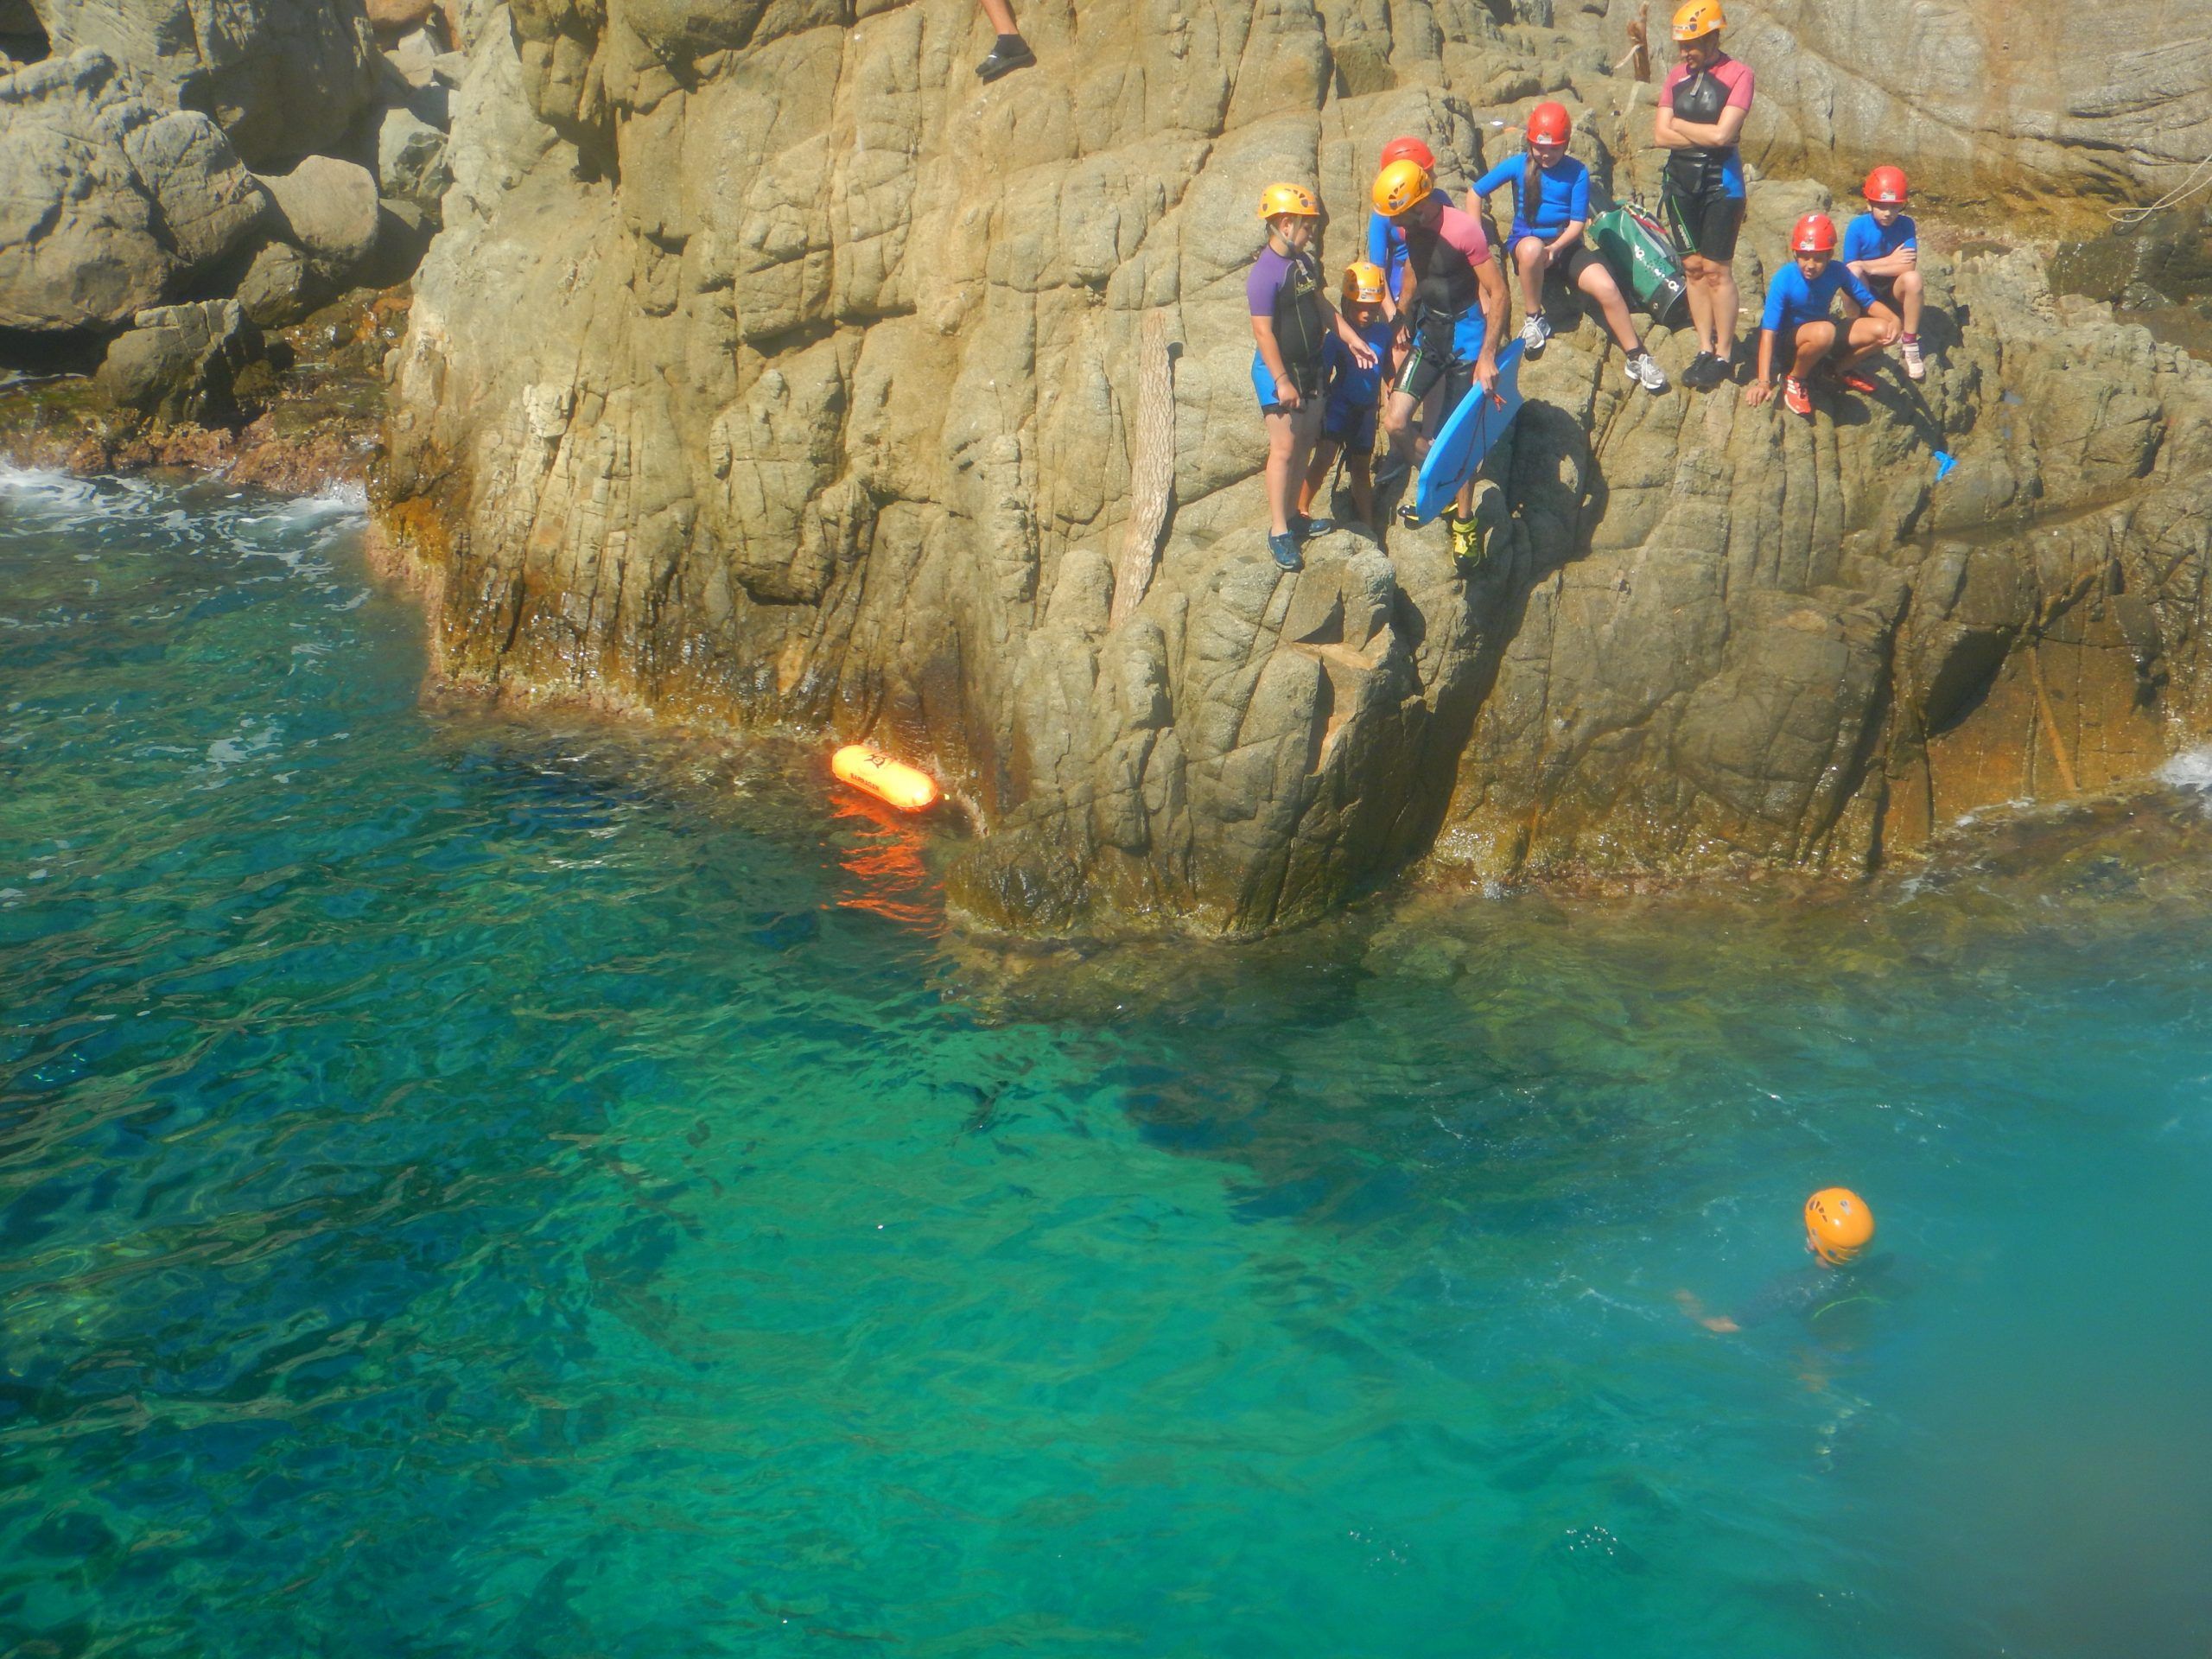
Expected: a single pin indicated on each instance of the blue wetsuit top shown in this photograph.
(1864, 238)
(1563, 193)
(1792, 302)
(1347, 382)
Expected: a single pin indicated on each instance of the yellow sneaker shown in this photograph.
(1466, 537)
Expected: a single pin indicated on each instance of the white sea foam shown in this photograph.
(2191, 771)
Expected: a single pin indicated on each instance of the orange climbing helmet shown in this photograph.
(1699, 19)
(1838, 1224)
(1407, 150)
(1550, 124)
(1886, 186)
(1816, 233)
(1288, 199)
(1402, 185)
(1363, 283)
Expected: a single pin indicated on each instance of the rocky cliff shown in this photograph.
(769, 371)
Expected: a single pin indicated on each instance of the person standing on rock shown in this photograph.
(1701, 111)
(1798, 301)
(1451, 312)
(1009, 52)
(1348, 406)
(1291, 324)
(1551, 205)
(1881, 247)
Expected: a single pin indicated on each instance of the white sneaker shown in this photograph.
(1644, 370)
(1534, 332)
(1913, 365)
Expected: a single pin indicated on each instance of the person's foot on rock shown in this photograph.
(1284, 546)
(1010, 54)
(1795, 397)
(1466, 538)
(1644, 370)
(1851, 380)
(1914, 366)
(1308, 528)
(1704, 373)
(1534, 332)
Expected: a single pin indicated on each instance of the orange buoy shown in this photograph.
(885, 778)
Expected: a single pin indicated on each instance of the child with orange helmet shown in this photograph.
(1291, 324)
(1837, 1229)
(1798, 302)
(1551, 205)
(1882, 248)
(1349, 403)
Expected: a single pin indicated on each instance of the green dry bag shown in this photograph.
(1643, 261)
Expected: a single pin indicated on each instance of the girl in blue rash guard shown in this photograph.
(1798, 301)
(1551, 205)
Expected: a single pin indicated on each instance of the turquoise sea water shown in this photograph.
(483, 1187)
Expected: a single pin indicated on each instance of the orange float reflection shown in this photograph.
(884, 859)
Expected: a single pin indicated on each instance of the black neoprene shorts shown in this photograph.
(1432, 359)
(1707, 224)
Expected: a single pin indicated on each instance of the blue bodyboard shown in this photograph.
(1467, 435)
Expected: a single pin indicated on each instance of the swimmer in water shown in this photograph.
(1837, 1228)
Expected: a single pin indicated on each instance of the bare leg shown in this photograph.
(1528, 255)
(1398, 424)
(1358, 469)
(1001, 16)
(1283, 482)
(1909, 288)
(1324, 456)
(1814, 339)
(1695, 268)
(1868, 335)
(1723, 303)
(1598, 283)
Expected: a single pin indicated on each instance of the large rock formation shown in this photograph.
(769, 369)
(282, 78)
(104, 200)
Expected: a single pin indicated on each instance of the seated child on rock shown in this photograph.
(1351, 396)
(1798, 300)
(1882, 248)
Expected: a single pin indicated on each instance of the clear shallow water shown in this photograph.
(478, 1187)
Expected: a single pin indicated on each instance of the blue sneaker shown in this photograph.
(1284, 548)
(1309, 528)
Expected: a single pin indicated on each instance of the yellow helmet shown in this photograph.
(1402, 185)
(1363, 283)
(1699, 19)
(1838, 1224)
(1288, 199)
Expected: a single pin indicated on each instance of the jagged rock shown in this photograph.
(328, 208)
(412, 159)
(780, 374)
(182, 362)
(282, 78)
(275, 288)
(415, 57)
(106, 202)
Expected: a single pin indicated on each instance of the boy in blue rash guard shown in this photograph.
(1547, 234)
(1882, 247)
(1798, 301)
(1349, 405)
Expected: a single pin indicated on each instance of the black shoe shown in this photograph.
(1012, 52)
(1394, 471)
(1704, 373)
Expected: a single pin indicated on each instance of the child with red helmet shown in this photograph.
(1882, 248)
(1551, 205)
(1798, 301)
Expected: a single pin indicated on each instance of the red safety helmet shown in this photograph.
(1549, 124)
(1407, 150)
(1816, 233)
(1886, 185)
